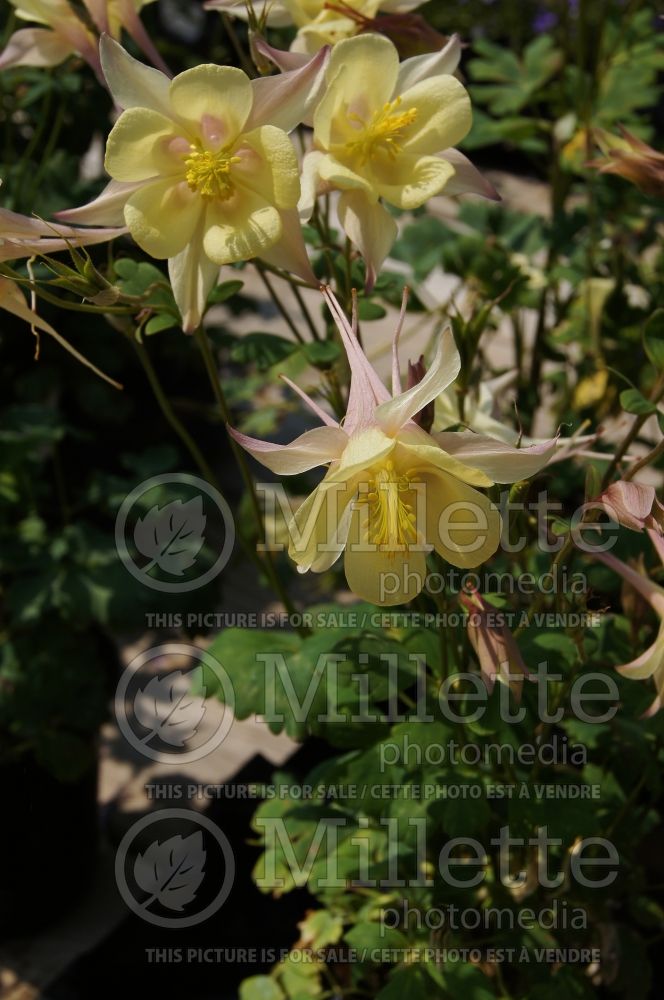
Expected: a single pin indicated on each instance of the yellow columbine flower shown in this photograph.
(203, 169)
(391, 492)
(384, 132)
(318, 22)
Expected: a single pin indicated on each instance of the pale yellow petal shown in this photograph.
(138, 146)
(443, 116)
(316, 447)
(268, 166)
(382, 577)
(318, 529)
(370, 228)
(648, 663)
(193, 276)
(461, 523)
(361, 76)
(290, 253)
(409, 180)
(310, 184)
(132, 84)
(416, 68)
(219, 97)
(443, 370)
(416, 450)
(364, 448)
(240, 228)
(334, 174)
(35, 47)
(162, 216)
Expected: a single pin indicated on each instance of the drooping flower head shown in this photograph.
(628, 156)
(205, 172)
(391, 493)
(384, 132)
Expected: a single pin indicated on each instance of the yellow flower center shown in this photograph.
(392, 520)
(210, 173)
(382, 132)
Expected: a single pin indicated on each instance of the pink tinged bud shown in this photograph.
(494, 645)
(416, 373)
(633, 505)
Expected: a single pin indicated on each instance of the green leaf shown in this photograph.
(368, 310)
(463, 815)
(262, 349)
(372, 936)
(407, 983)
(632, 401)
(237, 651)
(321, 928)
(260, 988)
(226, 290)
(162, 321)
(321, 353)
(465, 982)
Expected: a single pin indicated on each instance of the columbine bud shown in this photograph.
(632, 159)
(416, 373)
(633, 505)
(495, 647)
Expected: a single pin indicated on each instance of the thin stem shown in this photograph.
(655, 396)
(215, 382)
(279, 304)
(229, 28)
(170, 415)
(648, 459)
(305, 312)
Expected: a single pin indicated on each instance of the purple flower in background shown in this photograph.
(544, 20)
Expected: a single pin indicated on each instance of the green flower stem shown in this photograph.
(215, 382)
(279, 304)
(305, 311)
(648, 459)
(170, 415)
(49, 148)
(245, 63)
(655, 396)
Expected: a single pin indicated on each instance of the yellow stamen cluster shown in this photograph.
(382, 132)
(392, 520)
(210, 173)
